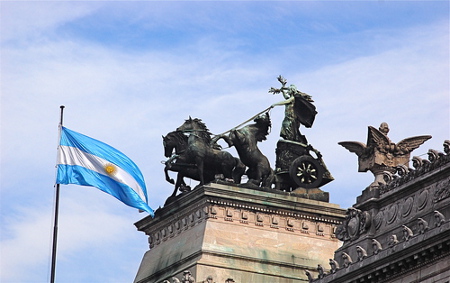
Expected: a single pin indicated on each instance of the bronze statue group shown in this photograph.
(193, 151)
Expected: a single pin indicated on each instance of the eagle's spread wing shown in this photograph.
(407, 145)
(357, 147)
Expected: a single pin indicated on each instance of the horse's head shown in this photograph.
(174, 140)
(190, 125)
(197, 127)
(263, 119)
(264, 124)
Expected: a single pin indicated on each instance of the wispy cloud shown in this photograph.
(128, 96)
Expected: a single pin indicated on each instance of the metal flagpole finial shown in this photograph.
(62, 110)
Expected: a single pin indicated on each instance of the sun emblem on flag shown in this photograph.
(110, 169)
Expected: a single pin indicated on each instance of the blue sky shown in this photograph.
(129, 72)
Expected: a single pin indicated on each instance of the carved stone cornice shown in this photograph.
(394, 261)
(195, 206)
(438, 162)
(264, 213)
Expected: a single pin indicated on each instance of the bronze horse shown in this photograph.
(245, 141)
(205, 154)
(177, 161)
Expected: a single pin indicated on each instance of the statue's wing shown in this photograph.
(409, 144)
(376, 138)
(357, 147)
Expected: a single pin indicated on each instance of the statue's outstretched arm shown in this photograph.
(284, 102)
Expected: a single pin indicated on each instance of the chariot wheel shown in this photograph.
(306, 172)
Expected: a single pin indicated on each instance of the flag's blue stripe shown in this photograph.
(103, 150)
(74, 174)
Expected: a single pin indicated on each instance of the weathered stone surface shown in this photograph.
(234, 232)
(409, 237)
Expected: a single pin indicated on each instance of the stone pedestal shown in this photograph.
(249, 235)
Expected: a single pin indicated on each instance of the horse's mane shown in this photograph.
(203, 132)
(179, 136)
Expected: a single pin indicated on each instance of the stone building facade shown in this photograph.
(220, 232)
(398, 231)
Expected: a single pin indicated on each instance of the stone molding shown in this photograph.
(409, 229)
(241, 206)
(396, 260)
(241, 214)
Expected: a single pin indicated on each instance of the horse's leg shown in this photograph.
(177, 185)
(255, 175)
(200, 163)
(166, 172)
(238, 170)
(227, 164)
(182, 185)
(269, 179)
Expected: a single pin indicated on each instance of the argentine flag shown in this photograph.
(88, 162)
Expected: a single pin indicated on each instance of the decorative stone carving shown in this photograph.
(187, 277)
(402, 170)
(407, 233)
(347, 259)
(334, 265)
(320, 271)
(381, 154)
(422, 225)
(362, 253)
(275, 220)
(209, 279)
(442, 191)
(259, 218)
(433, 155)
(439, 218)
(290, 222)
(310, 278)
(389, 177)
(447, 147)
(417, 162)
(407, 206)
(422, 200)
(392, 241)
(378, 220)
(356, 223)
(376, 246)
(305, 225)
(392, 213)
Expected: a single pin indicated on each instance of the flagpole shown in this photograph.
(55, 224)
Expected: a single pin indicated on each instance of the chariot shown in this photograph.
(299, 166)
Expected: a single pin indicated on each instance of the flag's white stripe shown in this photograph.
(73, 156)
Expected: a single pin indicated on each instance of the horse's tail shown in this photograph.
(238, 170)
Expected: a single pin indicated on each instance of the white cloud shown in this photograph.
(86, 222)
(23, 21)
(129, 99)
